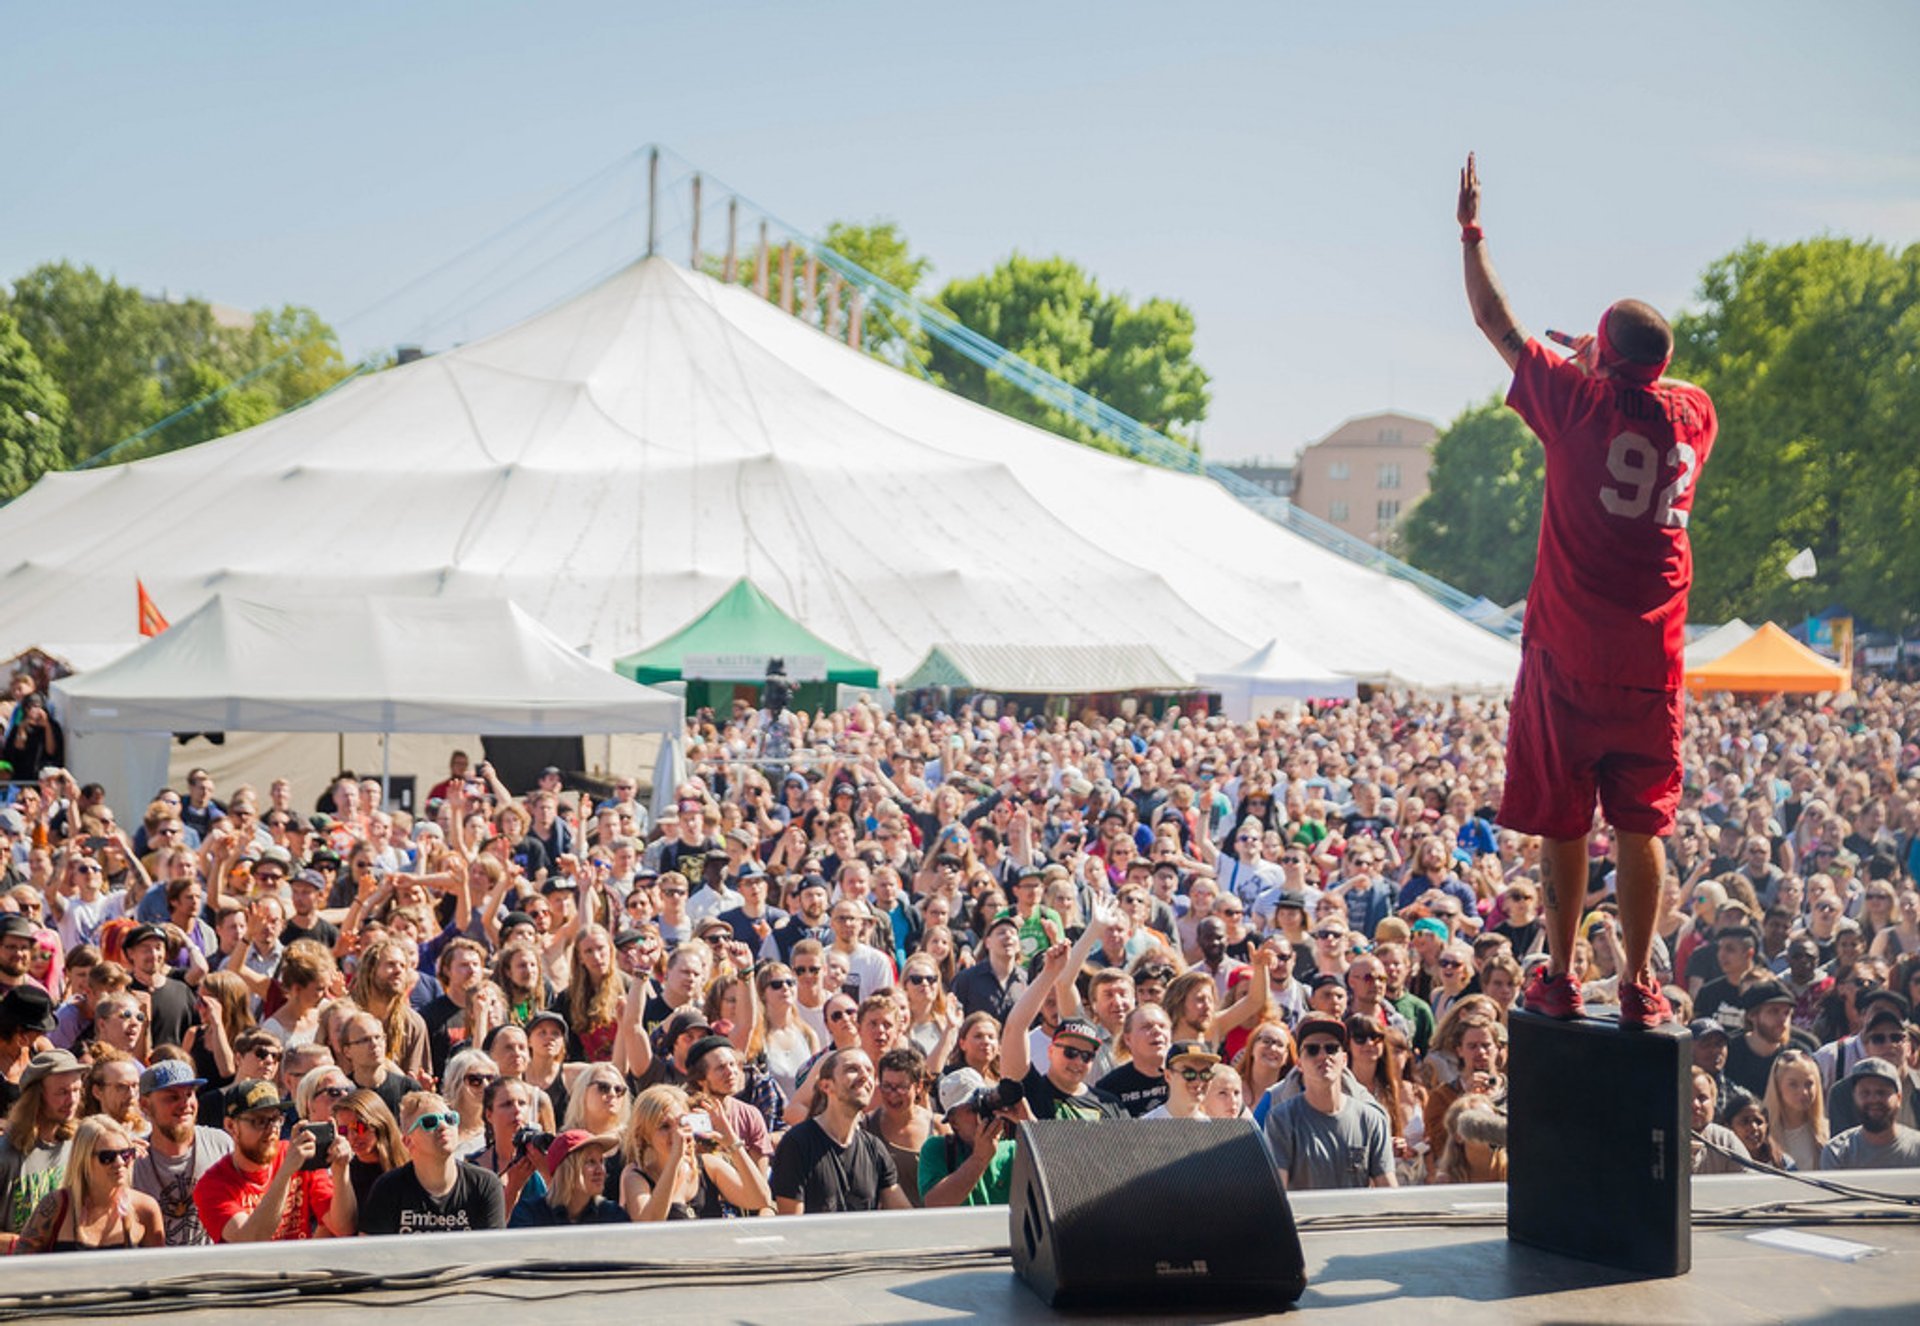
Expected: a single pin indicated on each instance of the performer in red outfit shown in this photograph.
(1596, 711)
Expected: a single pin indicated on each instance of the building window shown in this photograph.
(1386, 511)
(1337, 470)
(1337, 512)
(1389, 474)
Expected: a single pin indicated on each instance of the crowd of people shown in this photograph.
(838, 982)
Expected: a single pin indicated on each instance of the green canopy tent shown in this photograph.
(723, 654)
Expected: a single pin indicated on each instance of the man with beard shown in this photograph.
(385, 976)
(40, 1127)
(831, 1163)
(179, 1151)
(262, 1191)
(1879, 1142)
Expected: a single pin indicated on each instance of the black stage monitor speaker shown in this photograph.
(1140, 1212)
(1598, 1147)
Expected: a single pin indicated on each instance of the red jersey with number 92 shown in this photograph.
(1609, 593)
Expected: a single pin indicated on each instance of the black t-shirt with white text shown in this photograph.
(1048, 1102)
(1137, 1093)
(399, 1204)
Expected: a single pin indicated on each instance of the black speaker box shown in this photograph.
(1146, 1212)
(1598, 1144)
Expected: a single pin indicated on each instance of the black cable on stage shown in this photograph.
(1746, 1161)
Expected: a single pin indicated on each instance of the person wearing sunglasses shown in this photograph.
(1325, 1137)
(96, 1206)
(1061, 1091)
(434, 1192)
(1189, 1066)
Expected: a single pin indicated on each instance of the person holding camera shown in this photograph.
(973, 1164)
(434, 1192)
(272, 1189)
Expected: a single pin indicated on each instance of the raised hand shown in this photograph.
(1468, 210)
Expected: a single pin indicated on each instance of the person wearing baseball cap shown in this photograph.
(1880, 1141)
(16, 949)
(576, 1162)
(1768, 1007)
(262, 1192)
(973, 1164)
(1882, 1036)
(1189, 1065)
(995, 985)
(33, 1154)
(1061, 1090)
(1325, 1137)
(180, 1150)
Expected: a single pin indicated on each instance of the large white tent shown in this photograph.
(615, 463)
(332, 665)
(1274, 676)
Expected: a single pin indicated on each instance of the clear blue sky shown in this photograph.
(1287, 171)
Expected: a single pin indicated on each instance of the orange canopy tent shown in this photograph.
(1769, 661)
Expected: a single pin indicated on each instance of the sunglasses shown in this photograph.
(435, 1120)
(1450, 963)
(782, 983)
(1195, 1074)
(482, 1081)
(843, 1015)
(614, 1089)
(673, 893)
(921, 978)
(1314, 1049)
(334, 1093)
(1329, 934)
(806, 971)
(1078, 1056)
(1363, 1037)
(117, 1155)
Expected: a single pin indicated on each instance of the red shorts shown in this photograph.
(1569, 741)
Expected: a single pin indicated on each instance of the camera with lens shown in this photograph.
(531, 1138)
(1002, 1095)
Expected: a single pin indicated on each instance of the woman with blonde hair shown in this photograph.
(677, 1170)
(598, 1102)
(933, 1018)
(96, 1206)
(577, 1179)
(1264, 1060)
(1475, 1149)
(594, 989)
(789, 1043)
(1797, 1108)
(464, 1084)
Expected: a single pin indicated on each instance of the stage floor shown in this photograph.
(1397, 1270)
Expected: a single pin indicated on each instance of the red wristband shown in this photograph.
(1471, 234)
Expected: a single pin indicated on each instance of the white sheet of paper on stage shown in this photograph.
(1793, 1240)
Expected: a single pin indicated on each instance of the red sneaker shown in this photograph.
(1642, 1005)
(1554, 996)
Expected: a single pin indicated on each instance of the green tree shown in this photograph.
(32, 413)
(881, 249)
(1478, 524)
(1136, 358)
(1811, 352)
(125, 361)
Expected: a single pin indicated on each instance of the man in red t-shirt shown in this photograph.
(259, 1192)
(1596, 710)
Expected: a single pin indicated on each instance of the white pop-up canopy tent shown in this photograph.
(1273, 676)
(1718, 642)
(386, 665)
(617, 462)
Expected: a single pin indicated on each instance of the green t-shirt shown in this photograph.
(941, 1156)
(1033, 935)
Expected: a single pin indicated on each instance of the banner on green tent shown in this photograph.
(751, 667)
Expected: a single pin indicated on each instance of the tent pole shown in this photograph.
(696, 222)
(386, 769)
(653, 181)
(733, 225)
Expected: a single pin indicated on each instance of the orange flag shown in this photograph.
(151, 622)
